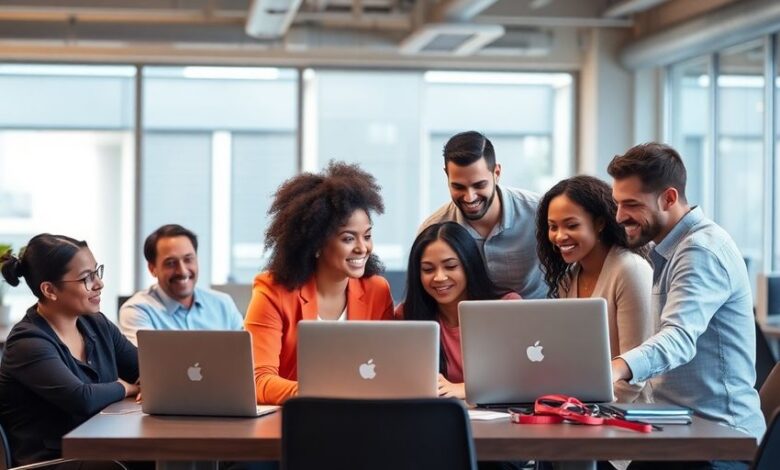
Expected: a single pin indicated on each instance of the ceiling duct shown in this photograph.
(270, 19)
(450, 39)
(462, 10)
(521, 43)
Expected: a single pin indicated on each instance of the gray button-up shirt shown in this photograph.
(509, 251)
(703, 352)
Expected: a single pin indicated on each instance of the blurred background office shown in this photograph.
(119, 116)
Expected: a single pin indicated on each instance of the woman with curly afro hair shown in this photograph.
(321, 268)
(583, 252)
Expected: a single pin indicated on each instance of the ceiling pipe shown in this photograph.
(729, 26)
(630, 7)
(460, 10)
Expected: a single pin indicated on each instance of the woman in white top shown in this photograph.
(584, 254)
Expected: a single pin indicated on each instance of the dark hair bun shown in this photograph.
(11, 267)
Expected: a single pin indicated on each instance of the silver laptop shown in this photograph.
(517, 350)
(368, 359)
(200, 373)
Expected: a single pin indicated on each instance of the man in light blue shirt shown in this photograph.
(175, 303)
(703, 352)
(501, 220)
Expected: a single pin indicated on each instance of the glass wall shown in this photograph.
(734, 178)
(690, 94)
(218, 141)
(66, 165)
(395, 125)
(740, 151)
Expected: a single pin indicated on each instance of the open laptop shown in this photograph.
(517, 350)
(368, 359)
(200, 373)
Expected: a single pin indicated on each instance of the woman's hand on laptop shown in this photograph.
(130, 389)
(450, 390)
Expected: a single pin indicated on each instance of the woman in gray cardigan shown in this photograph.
(584, 254)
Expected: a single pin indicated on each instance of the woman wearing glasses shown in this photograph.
(447, 269)
(584, 254)
(64, 361)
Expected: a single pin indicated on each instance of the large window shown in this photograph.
(395, 125)
(722, 98)
(217, 142)
(66, 165)
(740, 156)
(690, 130)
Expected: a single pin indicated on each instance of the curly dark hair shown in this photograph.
(593, 195)
(309, 208)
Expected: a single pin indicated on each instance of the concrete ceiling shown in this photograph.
(434, 33)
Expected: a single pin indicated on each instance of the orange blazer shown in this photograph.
(272, 319)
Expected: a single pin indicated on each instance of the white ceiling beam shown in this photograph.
(270, 19)
(630, 7)
(120, 15)
(461, 10)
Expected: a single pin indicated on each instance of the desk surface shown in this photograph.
(135, 436)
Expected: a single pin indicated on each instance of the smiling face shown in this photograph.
(346, 252)
(473, 187)
(572, 229)
(72, 297)
(176, 268)
(638, 212)
(442, 274)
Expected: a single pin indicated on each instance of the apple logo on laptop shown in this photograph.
(535, 352)
(367, 370)
(193, 373)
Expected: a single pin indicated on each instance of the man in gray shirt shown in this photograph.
(702, 354)
(501, 219)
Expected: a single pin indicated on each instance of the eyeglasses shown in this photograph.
(88, 280)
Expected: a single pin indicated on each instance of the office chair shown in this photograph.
(770, 394)
(376, 434)
(765, 358)
(768, 455)
(7, 464)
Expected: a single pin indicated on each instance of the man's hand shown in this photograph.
(620, 370)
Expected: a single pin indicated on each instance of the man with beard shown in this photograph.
(175, 303)
(703, 352)
(501, 219)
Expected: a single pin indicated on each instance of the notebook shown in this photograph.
(517, 350)
(200, 373)
(368, 359)
(653, 413)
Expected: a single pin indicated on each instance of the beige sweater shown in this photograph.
(625, 282)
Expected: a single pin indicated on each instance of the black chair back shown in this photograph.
(376, 434)
(765, 358)
(768, 455)
(5, 451)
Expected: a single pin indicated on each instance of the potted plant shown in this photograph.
(5, 310)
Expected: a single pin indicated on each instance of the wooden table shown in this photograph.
(135, 436)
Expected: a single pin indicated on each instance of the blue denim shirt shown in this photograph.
(153, 309)
(703, 352)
